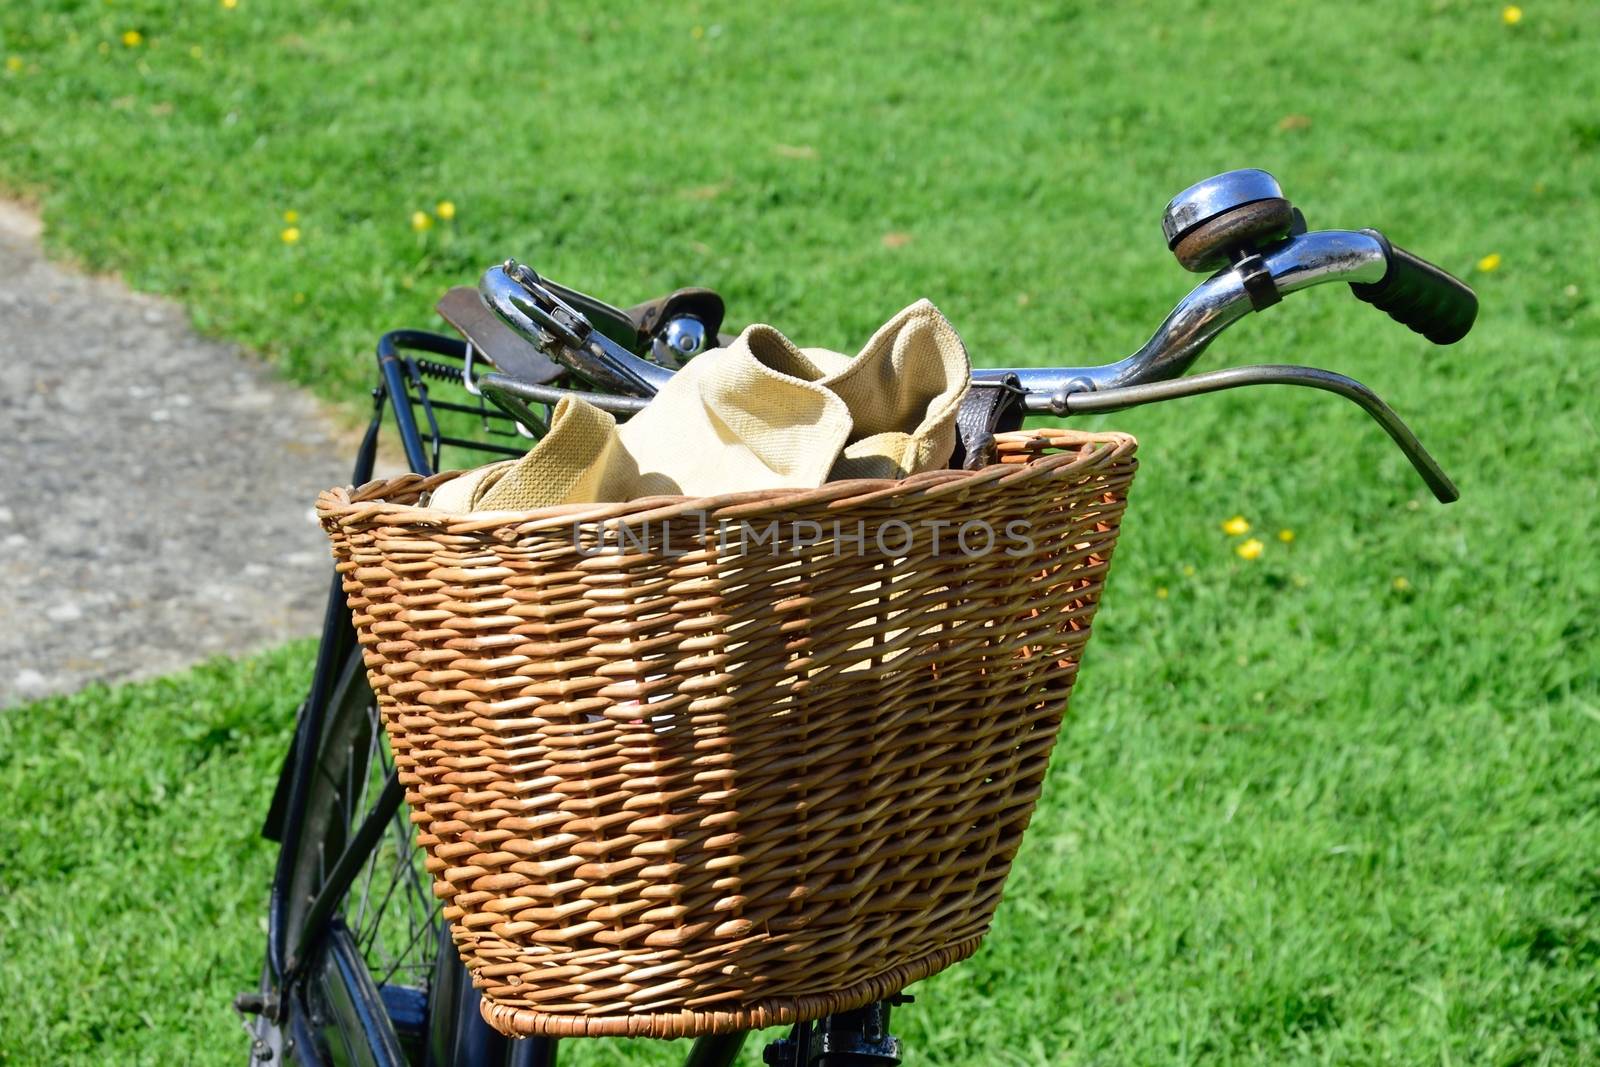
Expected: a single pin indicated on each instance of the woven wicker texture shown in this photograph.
(693, 782)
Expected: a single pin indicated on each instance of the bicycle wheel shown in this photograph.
(371, 974)
(358, 910)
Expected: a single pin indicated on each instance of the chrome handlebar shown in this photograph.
(1211, 307)
(518, 296)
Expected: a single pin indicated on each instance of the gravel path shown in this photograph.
(155, 487)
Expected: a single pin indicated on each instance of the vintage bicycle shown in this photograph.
(360, 965)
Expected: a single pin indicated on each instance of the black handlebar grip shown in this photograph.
(1415, 293)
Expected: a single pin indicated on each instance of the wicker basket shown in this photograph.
(693, 766)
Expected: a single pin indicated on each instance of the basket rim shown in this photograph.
(1021, 454)
(520, 1021)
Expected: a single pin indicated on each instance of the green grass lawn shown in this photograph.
(1334, 805)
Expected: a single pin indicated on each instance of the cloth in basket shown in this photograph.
(759, 414)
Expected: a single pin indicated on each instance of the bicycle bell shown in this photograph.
(1226, 217)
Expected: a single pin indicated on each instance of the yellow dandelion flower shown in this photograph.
(1236, 526)
(290, 235)
(230, 4)
(14, 64)
(195, 51)
(132, 38)
(1511, 15)
(1401, 584)
(445, 209)
(1250, 549)
(291, 216)
(1161, 592)
(421, 220)
(1489, 262)
(1286, 536)
(1188, 570)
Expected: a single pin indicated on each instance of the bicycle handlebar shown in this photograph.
(1402, 284)
(1411, 290)
(1211, 307)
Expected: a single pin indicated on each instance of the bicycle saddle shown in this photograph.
(652, 328)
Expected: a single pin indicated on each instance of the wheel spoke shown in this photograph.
(396, 905)
(409, 946)
(383, 906)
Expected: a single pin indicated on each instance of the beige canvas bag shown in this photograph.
(759, 414)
